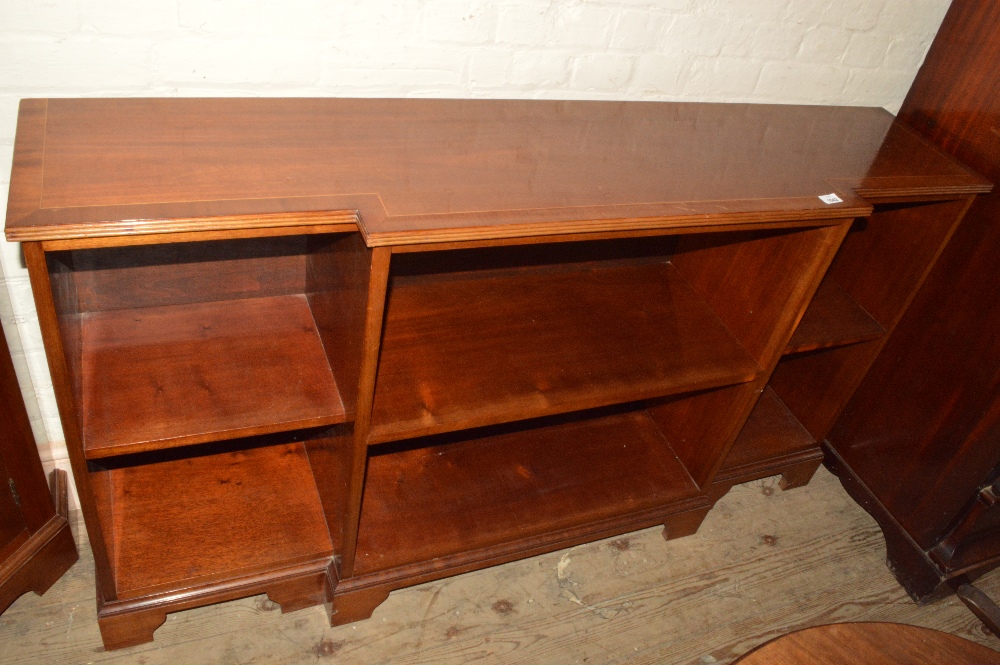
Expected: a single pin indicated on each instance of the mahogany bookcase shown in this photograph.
(325, 349)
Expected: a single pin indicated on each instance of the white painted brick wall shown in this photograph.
(858, 52)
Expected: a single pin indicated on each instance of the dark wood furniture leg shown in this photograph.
(981, 605)
(684, 524)
(131, 629)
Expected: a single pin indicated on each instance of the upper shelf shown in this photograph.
(160, 377)
(423, 170)
(470, 350)
(833, 319)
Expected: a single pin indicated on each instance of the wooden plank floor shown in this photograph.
(765, 562)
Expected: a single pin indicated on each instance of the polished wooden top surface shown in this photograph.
(417, 171)
(871, 644)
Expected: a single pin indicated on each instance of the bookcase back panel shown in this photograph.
(157, 275)
(749, 279)
(614, 323)
(886, 256)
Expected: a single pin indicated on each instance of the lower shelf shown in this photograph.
(513, 484)
(194, 521)
(833, 319)
(771, 439)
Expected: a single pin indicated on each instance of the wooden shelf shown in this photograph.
(160, 377)
(833, 319)
(469, 350)
(770, 433)
(198, 520)
(471, 494)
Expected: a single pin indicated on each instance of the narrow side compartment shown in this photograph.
(179, 523)
(833, 319)
(449, 500)
(771, 439)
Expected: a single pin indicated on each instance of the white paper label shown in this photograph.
(831, 198)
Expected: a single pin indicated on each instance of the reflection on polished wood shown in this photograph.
(327, 349)
(929, 410)
(872, 644)
(152, 377)
(574, 339)
(450, 169)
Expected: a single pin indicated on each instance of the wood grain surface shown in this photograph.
(512, 168)
(36, 546)
(509, 484)
(771, 431)
(188, 521)
(930, 407)
(833, 319)
(763, 564)
(167, 376)
(870, 643)
(550, 341)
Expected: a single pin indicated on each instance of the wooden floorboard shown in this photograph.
(765, 562)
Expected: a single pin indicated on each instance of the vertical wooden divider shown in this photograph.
(338, 272)
(377, 286)
(703, 428)
(41, 287)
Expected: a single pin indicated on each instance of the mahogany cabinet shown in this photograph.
(325, 349)
(919, 443)
(36, 545)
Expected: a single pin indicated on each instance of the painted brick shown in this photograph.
(793, 82)
(11, 260)
(906, 53)
(739, 40)
(490, 69)
(7, 313)
(752, 12)
(217, 16)
(200, 60)
(675, 6)
(913, 17)
(601, 71)
(8, 123)
(777, 41)
(73, 64)
(407, 69)
(128, 17)
(722, 78)
(309, 19)
(865, 50)
(638, 30)
(468, 23)
(539, 68)
(520, 24)
(885, 87)
(582, 25)
(854, 14)
(658, 75)
(698, 35)
(6, 159)
(49, 16)
(823, 45)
